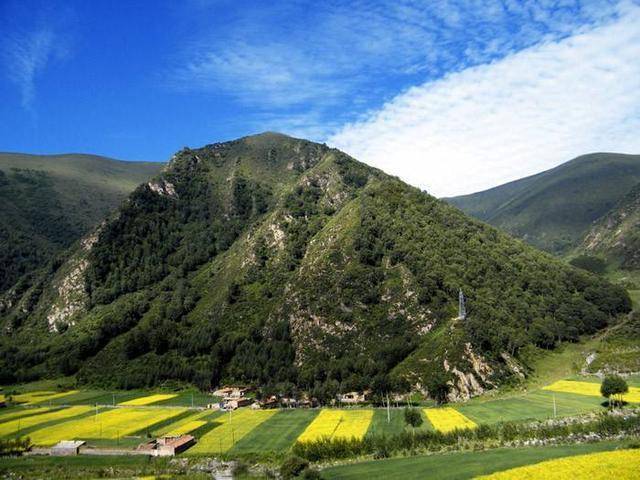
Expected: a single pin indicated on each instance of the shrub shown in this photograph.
(293, 467)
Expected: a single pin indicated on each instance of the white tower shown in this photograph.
(462, 310)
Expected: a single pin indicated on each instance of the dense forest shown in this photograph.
(287, 264)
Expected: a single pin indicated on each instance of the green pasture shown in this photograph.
(537, 405)
(457, 466)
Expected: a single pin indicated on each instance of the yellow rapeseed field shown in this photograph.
(13, 427)
(40, 397)
(180, 426)
(109, 424)
(447, 419)
(21, 412)
(619, 465)
(149, 399)
(186, 428)
(232, 428)
(335, 423)
(590, 389)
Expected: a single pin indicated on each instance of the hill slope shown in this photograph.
(48, 202)
(278, 261)
(615, 237)
(553, 210)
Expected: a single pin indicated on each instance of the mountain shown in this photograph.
(47, 202)
(615, 237)
(553, 210)
(284, 263)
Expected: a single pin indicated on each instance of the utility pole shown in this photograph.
(555, 409)
(388, 410)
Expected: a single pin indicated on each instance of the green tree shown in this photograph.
(412, 417)
(613, 387)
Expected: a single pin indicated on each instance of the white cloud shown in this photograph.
(337, 59)
(527, 112)
(25, 55)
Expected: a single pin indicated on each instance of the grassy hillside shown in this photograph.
(615, 239)
(553, 210)
(284, 263)
(49, 201)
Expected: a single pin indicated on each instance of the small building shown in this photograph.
(354, 397)
(67, 448)
(232, 392)
(167, 446)
(234, 403)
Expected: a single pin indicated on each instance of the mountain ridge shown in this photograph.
(553, 209)
(48, 202)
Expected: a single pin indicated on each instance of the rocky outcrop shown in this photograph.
(71, 297)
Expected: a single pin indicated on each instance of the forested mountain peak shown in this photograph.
(287, 264)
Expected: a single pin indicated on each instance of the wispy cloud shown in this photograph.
(31, 41)
(343, 58)
(25, 57)
(515, 116)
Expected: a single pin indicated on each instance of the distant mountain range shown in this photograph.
(47, 202)
(281, 262)
(555, 209)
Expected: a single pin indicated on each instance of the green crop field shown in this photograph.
(457, 466)
(537, 405)
(276, 434)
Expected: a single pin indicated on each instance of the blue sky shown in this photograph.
(435, 92)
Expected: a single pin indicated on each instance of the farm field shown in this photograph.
(276, 434)
(24, 425)
(35, 398)
(231, 428)
(334, 423)
(110, 424)
(447, 419)
(149, 399)
(622, 464)
(247, 431)
(458, 466)
(591, 389)
(536, 405)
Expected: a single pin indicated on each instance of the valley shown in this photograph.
(308, 277)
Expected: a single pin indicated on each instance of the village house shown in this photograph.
(67, 448)
(167, 446)
(353, 398)
(235, 403)
(232, 392)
